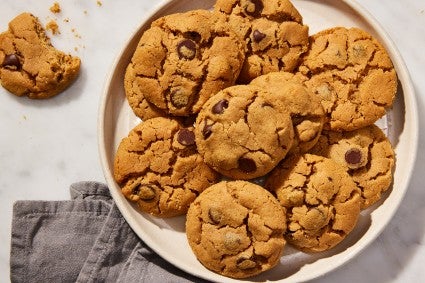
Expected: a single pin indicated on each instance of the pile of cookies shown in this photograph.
(259, 132)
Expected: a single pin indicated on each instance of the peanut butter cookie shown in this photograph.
(321, 199)
(236, 229)
(353, 74)
(158, 168)
(367, 155)
(183, 59)
(243, 132)
(273, 31)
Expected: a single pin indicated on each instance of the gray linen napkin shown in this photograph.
(85, 239)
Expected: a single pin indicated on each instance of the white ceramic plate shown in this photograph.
(167, 236)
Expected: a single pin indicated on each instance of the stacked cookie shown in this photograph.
(243, 93)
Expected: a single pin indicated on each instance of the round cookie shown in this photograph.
(243, 132)
(236, 228)
(273, 31)
(353, 74)
(183, 59)
(367, 155)
(321, 199)
(306, 111)
(29, 64)
(158, 168)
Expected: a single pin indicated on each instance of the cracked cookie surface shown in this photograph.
(321, 199)
(29, 64)
(236, 228)
(305, 107)
(243, 132)
(158, 167)
(368, 156)
(353, 74)
(183, 59)
(273, 31)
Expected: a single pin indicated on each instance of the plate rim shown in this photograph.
(412, 116)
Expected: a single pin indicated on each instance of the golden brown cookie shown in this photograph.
(306, 111)
(273, 31)
(368, 156)
(183, 59)
(243, 132)
(321, 199)
(236, 229)
(158, 168)
(29, 64)
(353, 74)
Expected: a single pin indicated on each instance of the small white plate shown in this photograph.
(167, 236)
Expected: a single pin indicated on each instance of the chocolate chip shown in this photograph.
(219, 107)
(11, 61)
(178, 98)
(193, 35)
(247, 165)
(232, 241)
(258, 35)
(186, 49)
(186, 137)
(297, 119)
(215, 215)
(245, 263)
(144, 191)
(353, 156)
(188, 120)
(207, 130)
(254, 8)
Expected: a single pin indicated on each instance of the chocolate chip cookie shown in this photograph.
(236, 228)
(353, 74)
(183, 59)
(158, 168)
(273, 31)
(321, 199)
(368, 156)
(304, 106)
(243, 132)
(29, 64)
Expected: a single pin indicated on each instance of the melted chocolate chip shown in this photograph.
(254, 8)
(258, 35)
(207, 130)
(178, 98)
(186, 137)
(353, 156)
(11, 61)
(186, 49)
(215, 215)
(219, 107)
(247, 165)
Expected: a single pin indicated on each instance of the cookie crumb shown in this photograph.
(99, 3)
(66, 20)
(55, 8)
(53, 27)
(85, 12)
(74, 31)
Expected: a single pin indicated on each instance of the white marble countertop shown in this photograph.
(47, 145)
